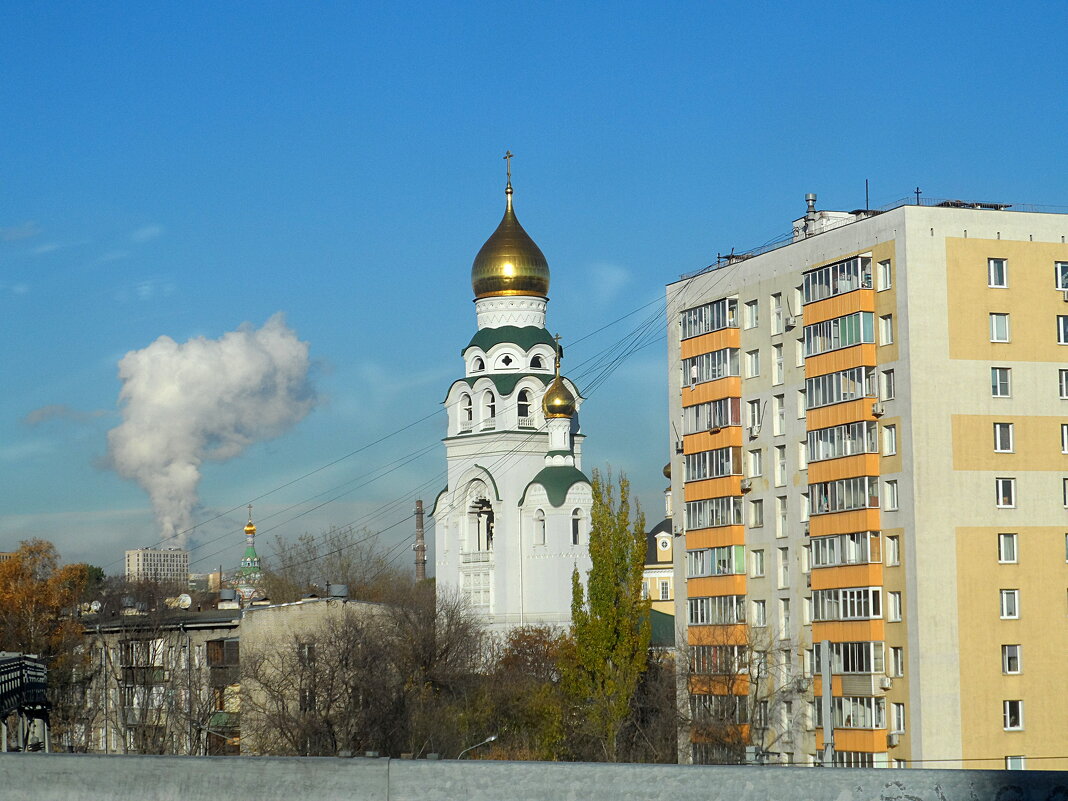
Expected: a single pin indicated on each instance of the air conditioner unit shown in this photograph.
(877, 409)
(754, 431)
(678, 447)
(893, 739)
(747, 484)
(885, 683)
(790, 323)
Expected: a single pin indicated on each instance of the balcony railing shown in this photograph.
(476, 556)
(489, 425)
(527, 422)
(465, 426)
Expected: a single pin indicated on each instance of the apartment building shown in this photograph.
(158, 564)
(872, 454)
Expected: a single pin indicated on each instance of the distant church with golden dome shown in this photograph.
(514, 520)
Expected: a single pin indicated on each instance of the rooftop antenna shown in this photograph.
(867, 204)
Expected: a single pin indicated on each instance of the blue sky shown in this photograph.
(182, 170)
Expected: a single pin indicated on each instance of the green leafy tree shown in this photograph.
(610, 621)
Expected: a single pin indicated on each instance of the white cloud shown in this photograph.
(23, 231)
(146, 233)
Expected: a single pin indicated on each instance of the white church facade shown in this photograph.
(513, 522)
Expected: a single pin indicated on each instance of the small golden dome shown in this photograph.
(509, 263)
(558, 400)
(667, 470)
(250, 528)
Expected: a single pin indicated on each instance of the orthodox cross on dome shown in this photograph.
(508, 156)
(559, 353)
(250, 513)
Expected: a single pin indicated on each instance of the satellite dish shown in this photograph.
(95, 607)
(185, 601)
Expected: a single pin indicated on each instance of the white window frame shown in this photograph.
(993, 280)
(778, 419)
(1060, 274)
(1009, 655)
(897, 661)
(1016, 762)
(1064, 437)
(886, 329)
(1008, 549)
(884, 276)
(887, 385)
(999, 327)
(760, 614)
(753, 413)
(889, 440)
(1010, 604)
(756, 563)
(780, 466)
(897, 718)
(665, 590)
(1062, 375)
(1001, 388)
(751, 314)
(1062, 329)
(1064, 491)
(778, 370)
(756, 462)
(1012, 712)
(890, 496)
(776, 314)
(893, 550)
(1005, 492)
(893, 607)
(1004, 439)
(784, 568)
(756, 513)
(752, 363)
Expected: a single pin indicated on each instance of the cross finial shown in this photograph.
(250, 513)
(558, 351)
(508, 156)
(918, 192)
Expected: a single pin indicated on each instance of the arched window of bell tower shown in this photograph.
(466, 413)
(489, 405)
(524, 404)
(478, 365)
(480, 525)
(576, 527)
(539, 527)
(537, 363)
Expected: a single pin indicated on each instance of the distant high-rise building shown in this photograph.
(873, 429)
(158, 564)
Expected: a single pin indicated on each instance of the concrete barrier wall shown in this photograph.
(37, 777)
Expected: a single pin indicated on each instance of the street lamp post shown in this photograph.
(489, 739)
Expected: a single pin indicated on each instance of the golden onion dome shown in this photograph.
(510, 263)
(250, 527)
(558, 400)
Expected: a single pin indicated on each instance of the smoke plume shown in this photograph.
(204, 400)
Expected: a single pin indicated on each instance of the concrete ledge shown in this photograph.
(34, 777)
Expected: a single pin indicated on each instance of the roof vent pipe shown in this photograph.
(810, 201)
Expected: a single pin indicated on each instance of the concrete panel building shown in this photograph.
(873, 455)
(158, 564)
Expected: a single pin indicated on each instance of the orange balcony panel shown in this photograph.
(713, 488)
(832, 578)
(840, 413)
(712, 341)
(844, 522)
(836, 686)
(842, 359)
(872, 741)
(729, 387)
(849, 631)
(863, 464)
(715, 585)
(705, 441)
(840, 306)
(718, 635)
(741, 729)
(715, 537)
(734, 684)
